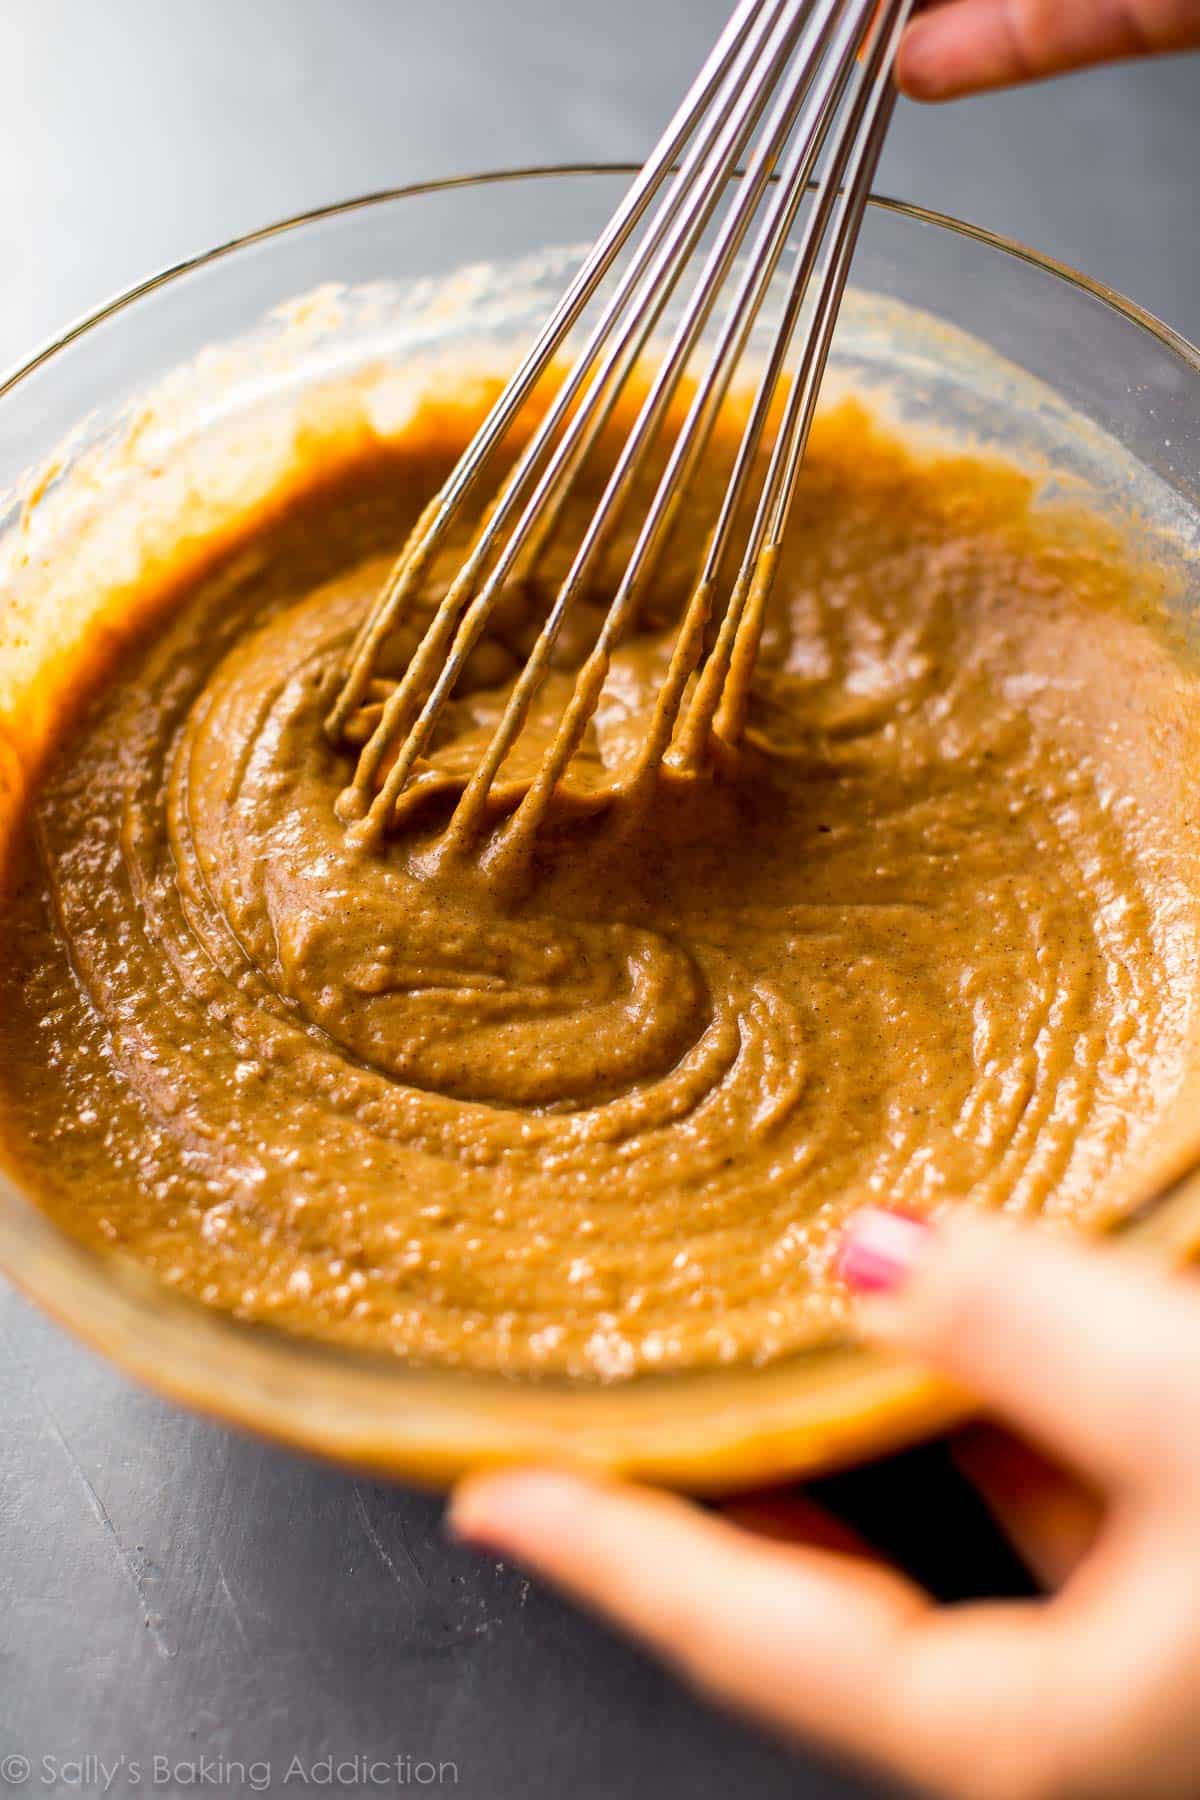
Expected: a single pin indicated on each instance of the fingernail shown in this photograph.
(880, 1249)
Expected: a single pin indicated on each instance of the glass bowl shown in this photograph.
(962, 330)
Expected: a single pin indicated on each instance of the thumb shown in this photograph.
(1079, 1346)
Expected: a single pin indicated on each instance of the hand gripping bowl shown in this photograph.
(331, 323)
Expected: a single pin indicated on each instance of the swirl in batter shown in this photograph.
(914, 944)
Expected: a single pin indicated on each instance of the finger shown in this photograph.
(1049, 1518)
(663, 1568)
(971, 45)
(813, 1643)
(1078, 1346)
(790, 1635)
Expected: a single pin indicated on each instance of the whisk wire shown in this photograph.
(843, 196)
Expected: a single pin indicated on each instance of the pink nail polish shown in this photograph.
(880, 1249)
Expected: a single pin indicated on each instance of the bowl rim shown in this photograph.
(728, 1428)
(1167, 335)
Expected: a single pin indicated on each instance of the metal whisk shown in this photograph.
(788, 113)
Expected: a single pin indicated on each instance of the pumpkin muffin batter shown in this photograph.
(925, 940)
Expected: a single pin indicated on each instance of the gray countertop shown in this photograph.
(169, 1590)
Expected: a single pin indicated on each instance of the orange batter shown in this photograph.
(930, 938)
